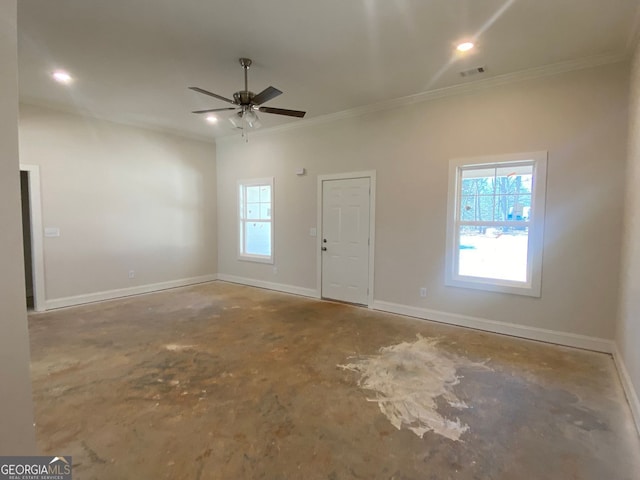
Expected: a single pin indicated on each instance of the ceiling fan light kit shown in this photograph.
(248, 103)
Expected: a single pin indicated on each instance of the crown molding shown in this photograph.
(461, 89)
(33, 102)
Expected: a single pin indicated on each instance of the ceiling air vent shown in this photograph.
(472, 71)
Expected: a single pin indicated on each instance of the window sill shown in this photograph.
(496, 286)
(255, 259)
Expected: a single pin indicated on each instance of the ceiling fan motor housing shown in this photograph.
(243, 97)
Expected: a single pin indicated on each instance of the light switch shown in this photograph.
(313, 232)
(51, 232)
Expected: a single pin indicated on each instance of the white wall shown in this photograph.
(16, 410)
(628, 333)
(580, 118)
(124, 199)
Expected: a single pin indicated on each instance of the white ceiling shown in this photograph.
(134, 59)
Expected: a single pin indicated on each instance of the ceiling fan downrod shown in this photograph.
(245, 63)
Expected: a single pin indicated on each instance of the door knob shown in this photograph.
(324, 249)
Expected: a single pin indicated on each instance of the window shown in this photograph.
(495, 223)
(255, 201)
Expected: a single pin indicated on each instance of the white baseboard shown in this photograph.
(125, 292)
(629, 389)
(280, 287)
(531, 333)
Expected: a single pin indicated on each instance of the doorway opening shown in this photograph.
(346, 223)
(32, 237)
(26, 238)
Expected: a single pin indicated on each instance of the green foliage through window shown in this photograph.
(498, 194)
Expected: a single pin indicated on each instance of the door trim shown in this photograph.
(37, 241)
(371, 175)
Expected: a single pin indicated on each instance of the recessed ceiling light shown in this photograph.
(211, 119)
(464, 47)
(62, 77)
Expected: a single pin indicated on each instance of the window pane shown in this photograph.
(253, 211)
(258, 238)
(476, 208)
(471, 173)
(497, 253)
(513, 207)
(468, 208)
(265, 211)
(515, 170)
(481, 183)
(253, 193)
(502, 208)
(514, 179)
(265, 193)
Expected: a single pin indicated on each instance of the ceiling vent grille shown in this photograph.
(472, 71)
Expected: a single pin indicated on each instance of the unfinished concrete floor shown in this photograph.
(220, 381)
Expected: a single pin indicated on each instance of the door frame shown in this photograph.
(371, 175)
(37, 240)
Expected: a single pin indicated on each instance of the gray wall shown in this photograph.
(579, 117)
(628, 334)
(16, 410)
(124, 198)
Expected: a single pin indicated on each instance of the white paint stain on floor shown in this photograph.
(408, 378)
(172, 347)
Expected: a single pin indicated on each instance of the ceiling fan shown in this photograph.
(248, 103)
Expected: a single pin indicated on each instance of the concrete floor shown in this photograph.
(220, 381)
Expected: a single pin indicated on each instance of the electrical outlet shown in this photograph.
(132, 274)
(423, 292)
(275, 270)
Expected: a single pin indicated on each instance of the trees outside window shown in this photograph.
(495, 223)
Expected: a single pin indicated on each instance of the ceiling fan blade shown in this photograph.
(219, 97)
(283, 111)
(266, 95)
(213, 110)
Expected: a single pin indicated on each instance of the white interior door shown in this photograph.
(345, 239)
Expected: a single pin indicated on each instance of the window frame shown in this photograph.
(242, 221)
(532, 286)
